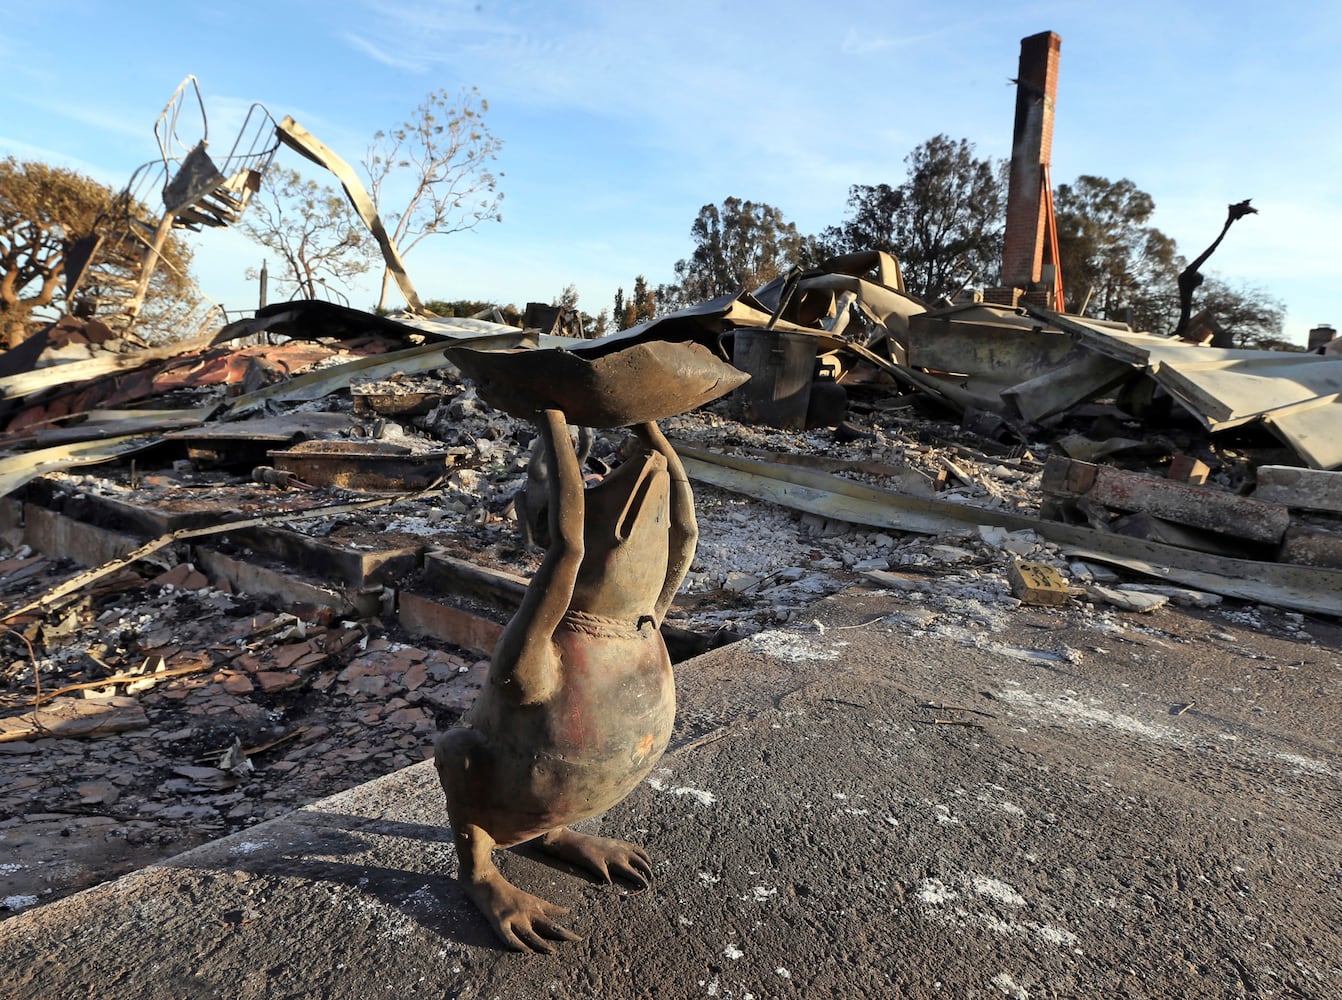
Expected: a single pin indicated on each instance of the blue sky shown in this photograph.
(620, 120)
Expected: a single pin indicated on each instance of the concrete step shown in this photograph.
(850, 810)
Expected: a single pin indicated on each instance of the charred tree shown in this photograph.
(1190, 279)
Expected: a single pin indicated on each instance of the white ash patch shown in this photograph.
(1057, 936)
(703, 797)
(794, 647)
(740, 535)
(1009, 988)
(392, 923)
(1067, 707)
(939, 898)
(997, 890)
(1301, 763)
(991, 797)
(944, 816)
(934, 892)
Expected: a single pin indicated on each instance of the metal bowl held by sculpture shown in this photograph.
(632, 385)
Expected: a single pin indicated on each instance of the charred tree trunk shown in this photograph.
(1190, 279)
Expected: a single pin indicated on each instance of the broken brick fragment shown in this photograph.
(272, 681)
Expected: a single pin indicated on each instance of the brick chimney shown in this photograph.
(1029, 206)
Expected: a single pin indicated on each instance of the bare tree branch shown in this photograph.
(312, 229)
(444, 151)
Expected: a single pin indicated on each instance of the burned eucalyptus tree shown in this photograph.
(314, 232)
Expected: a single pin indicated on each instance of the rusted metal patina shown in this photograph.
(581, 697)
(642, 382)
(375, 466)
(401, 403)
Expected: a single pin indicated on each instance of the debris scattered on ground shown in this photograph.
(265, 631)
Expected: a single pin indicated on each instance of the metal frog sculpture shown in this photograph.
(580, 698)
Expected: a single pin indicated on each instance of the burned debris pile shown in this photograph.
(288, 547)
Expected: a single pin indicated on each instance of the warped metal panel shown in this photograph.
(1313, 429)
(1233, 391)
(1296, 395)
(15, 470)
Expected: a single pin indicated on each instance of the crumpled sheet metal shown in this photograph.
(817, 293)
(1311, 429)
(887, 306)
(1295, 395)
(642, 382)
(999, 358)
(314, 319)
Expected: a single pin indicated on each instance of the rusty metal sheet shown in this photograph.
(152, 377)
(646, 381)
(315, 385)
(406, 403)
(29, 383)
(373, 466)
(245, 442)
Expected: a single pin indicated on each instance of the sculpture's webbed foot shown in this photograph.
(524, 922)
(602, 856)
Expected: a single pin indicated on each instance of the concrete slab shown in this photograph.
(1306, 489)
(855, 809)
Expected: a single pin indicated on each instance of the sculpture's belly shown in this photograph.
(591, 744)
(612, 717)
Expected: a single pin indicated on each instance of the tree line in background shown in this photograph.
(943, 221)
(945, 224)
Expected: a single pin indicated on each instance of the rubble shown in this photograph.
(322, 633)
(1246, 518)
